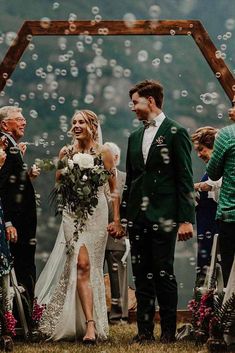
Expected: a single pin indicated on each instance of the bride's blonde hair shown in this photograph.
(92, 122)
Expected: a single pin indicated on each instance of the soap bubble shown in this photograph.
(89, 98)
(11, 38)
(157, 45)
(168, 58)
(156, 62)
(112, 110)
(95, 10)
(55, 5)
(109, 92)
(142, 55)
(33, 113)
(199, 108)
(129, 19)
(45, 22)
(154, 11)
(230, 24)
(184, 93)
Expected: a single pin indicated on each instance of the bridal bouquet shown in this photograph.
(77, 190)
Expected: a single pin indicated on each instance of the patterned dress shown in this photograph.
(5, 258)
(5, 267)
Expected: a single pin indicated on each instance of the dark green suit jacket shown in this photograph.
(163, 187)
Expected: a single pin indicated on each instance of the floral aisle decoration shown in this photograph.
(10, 323)
(222, 323)
(77, 190)
(7, 319)
(201, 308)
(211, 319)
(37, 313)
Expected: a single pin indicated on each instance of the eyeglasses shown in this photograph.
(19, 119)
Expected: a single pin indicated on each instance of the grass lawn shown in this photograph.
(118, 342)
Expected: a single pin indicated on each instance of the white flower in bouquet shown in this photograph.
(70, 164)
(84, 160)
(84, 178)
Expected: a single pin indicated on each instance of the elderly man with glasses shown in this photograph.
(18, 198)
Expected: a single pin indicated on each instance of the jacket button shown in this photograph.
(155, 180)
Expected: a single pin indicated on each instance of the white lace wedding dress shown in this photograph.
(56, 287)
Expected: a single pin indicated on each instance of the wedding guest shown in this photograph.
(71, 284)
(222, 164)
(157, 204)
(5, 265)
(115, 250)
(18, 199)
(207, 198)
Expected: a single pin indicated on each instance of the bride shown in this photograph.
(71, 286)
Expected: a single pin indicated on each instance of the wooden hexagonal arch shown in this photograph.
(193, 28)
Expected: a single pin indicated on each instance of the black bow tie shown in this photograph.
(148, 123)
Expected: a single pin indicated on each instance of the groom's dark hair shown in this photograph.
(149, 88)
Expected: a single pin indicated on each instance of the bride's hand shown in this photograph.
(116, 230)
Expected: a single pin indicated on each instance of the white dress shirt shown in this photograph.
(149, 134)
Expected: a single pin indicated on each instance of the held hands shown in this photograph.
(34, 172)
(202, 186)
(185, 231)
(116, 230)
(11, 234)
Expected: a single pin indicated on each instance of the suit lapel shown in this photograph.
(12, 143)
(161, 131)
(18, 154)
(139, 141)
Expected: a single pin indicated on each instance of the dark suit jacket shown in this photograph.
(165, 181)
(17, 194)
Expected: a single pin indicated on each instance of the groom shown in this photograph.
(157, 204)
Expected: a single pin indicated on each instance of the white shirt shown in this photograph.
(215, 191)
(149, 134)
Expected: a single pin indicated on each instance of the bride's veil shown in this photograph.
(52, 271)
(100, 137)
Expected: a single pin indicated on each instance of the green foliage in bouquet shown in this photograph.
(81, 175)
(45, 164)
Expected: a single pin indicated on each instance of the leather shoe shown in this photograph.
(167, 338)
(142, 339)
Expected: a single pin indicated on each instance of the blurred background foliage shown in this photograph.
(58, 75)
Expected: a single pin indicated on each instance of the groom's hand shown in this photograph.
(116, 230)
(185, 231)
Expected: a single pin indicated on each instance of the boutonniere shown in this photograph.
(159, 140)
